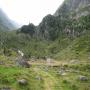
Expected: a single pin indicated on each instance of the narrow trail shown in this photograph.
(49, 80)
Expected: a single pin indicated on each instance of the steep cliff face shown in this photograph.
(70, 6)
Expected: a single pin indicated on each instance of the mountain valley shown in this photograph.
(55, 55)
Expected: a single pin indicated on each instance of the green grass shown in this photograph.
(49, 79)
(10, 75)
(70, 80)
(79, 49)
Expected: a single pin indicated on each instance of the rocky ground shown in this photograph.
(44, 75)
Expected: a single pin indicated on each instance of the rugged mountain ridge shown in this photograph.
(53, 35)
(70, 6)
(70, 23)
(64, 20)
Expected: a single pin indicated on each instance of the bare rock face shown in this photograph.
(22, 82)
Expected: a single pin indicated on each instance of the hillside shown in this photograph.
(73, 6)
(52, 35)
(5, 22)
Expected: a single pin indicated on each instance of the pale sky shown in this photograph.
(25, 11)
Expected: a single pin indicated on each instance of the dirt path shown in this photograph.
(54, 63)
(49, 80)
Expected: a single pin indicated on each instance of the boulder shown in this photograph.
(22, 82)
(22, 63)
(83, 78)
(38, 78)
(62, 72)
(2, 63)
(5, 88)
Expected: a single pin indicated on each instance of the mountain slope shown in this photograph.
(52, 36)
(70, 6)
(5, 22)
(63, 32)
(79, 49)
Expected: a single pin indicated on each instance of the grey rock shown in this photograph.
(2, 63)
(5, 88)
(83, 78)
(22, 82)
(38, 78)
(22, 63)
(62, 72)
